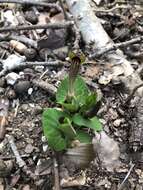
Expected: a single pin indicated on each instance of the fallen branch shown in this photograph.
(24, 40)
(127, 102)
(116, 46)
(126, 177)
(40, 26)
(19, 160)
(56, 174)
(44, 63)
(29, 64)
(31, 2)
(21, 163)
(96, 38)
(45, 86)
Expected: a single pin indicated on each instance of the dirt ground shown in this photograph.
(24, 95)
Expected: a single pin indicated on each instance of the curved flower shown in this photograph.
(76, 60)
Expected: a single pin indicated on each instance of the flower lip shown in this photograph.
(76, 59)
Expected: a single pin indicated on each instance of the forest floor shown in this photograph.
(26, 90)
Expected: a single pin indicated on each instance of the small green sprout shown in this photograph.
(69, 123)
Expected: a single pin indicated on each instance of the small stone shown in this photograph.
(61, 53)
(45, 147)
(12, 78)
(25, 107)
(29, 149)
(11, 94)
(44, 139)
(117, 122)
(31, 17)
(22, 87)
(39, 68)
(30, 90)
(105, 79)
(30, 53)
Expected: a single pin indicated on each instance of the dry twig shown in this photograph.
(126, 177)
(29, 64)
(45, 86)
(56, 174)
(40, 26)
(31, 2)
(132, 94)
(116, 46)
(21, 163)
(19, 160)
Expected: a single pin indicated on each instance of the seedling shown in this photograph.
(68, 123)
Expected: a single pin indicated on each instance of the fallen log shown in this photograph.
(95, 36)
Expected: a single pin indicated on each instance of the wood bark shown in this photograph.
(95, 36)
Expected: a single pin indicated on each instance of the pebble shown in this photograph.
(11, 94)
(30, 90)
(117, 122)
(22, 87)
(31, 17)
(105, 79)
(44, 139)
(12, 78)
(45, 147)
(29, 149)
(39, 68)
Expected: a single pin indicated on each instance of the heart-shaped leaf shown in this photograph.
(81, 91)
(50, 121)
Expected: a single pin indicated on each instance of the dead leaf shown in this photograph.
(107, 150)
(43, 19)
(73, 182)
(92, 71)
(57, 18)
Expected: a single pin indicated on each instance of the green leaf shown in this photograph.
(62, 91)
(81, 91)
(93, 123)
(96, 123)
(90, 101)
(67, 129)
(50, 122)
(71, 107)
(83, 137)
